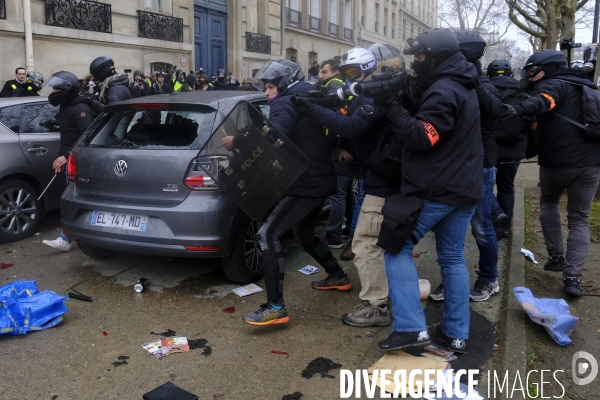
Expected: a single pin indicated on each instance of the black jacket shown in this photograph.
(136, 92)
(74, 116)
(443, 152)
(516, 127)
(490, 108)
(309, 136)
(13, 88)
(560, 143)
(118, 91)
(166, 88)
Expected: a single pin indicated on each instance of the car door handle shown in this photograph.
(38, 150)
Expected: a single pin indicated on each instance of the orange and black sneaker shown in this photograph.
(341, 283)
(267, 314)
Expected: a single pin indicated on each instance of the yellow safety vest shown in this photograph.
(343, 110)
(177, 86)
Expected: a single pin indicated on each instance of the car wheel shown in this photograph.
(20, 210)
(96, 252)
(244, 265)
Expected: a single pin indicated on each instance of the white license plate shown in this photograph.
(123, 221)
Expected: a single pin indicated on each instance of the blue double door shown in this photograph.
(210, 39)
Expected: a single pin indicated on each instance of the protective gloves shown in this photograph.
(510, 112)
(303, 107)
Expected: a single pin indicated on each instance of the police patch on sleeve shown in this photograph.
(367, 109)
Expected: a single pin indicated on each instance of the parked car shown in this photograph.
(136, 185)
(29, 144)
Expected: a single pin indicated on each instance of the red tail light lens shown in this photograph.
(72, 168)
(196, 177)
(201, 248)
(150, 107)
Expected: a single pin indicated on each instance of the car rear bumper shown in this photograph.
(203, 219)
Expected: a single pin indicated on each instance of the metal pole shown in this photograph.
(282, 17)
(595, 30)
(28, 35)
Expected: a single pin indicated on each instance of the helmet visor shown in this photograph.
(349, 72)
(533, 70)
(58, 83)
(411, 47)
(269, 72)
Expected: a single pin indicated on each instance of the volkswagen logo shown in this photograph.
(121, 168)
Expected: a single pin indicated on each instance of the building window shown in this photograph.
(153, 5)
(377, 18)
(394, 25)
(333, 11)
(348, 14)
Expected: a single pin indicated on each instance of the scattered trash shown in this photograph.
(78, 296)
(453, 395)
(293, 396)
(247, 290)
(283, 353)
(229, 310)
(166, 333)
(23, 309)
(105, 333)
(309, 270)
(169, 391)
(207, 351)
(424, 288)
(321, 366)
(37, 234)
(528, 255)
(552, 314)
(6, 266)
(447, 355)
(416, 255)
(122, 361)
(140, 285)
(197, 343)
(164, 347)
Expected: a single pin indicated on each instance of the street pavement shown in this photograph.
(83, 358)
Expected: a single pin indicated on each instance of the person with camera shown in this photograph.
(511, 138)
(569, 159)
(441, 165)
(302, 204)
(363, 125)
(113, 87)
(139, 87)
(25, 84)
(161, 86)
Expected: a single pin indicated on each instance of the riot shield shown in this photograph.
(260, 167)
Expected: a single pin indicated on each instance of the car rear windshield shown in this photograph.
(151, 129)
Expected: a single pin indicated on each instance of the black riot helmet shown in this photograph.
(471, 44)
(546, 60)
(102, 67)
(67, 83)
(499, 67)
(438, 42)
(35, 80)
(281, 73)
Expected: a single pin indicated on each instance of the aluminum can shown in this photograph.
(141, 284)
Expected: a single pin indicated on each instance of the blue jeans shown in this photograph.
(359, 201)
(342, 205)
(482, 227)
(451, 224)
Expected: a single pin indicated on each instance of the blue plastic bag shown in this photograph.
(552, 314)
(24, 309)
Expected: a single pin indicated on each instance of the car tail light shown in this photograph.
(72, 168)
(197, 178)
(201, 248)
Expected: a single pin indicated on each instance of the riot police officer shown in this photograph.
(113, 87)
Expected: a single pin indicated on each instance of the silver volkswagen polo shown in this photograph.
(136, 186)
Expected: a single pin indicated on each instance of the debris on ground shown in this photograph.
(6, 265)
(309, 270)
(122, 361)
(283, 353)
(528, 255)
(105, 333)
(552, 314)
(163, 347)
(200, 344)
(169, 391)
(229, 310)
(78, 296)
(293, 396)
(166, 333)
(247, 290)
(321, 366)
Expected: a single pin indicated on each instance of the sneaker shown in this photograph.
(572, 286)
(332, 242)
(502, 226)
(342, 283)
(347, 253)
(455, 345)
(345, 232)
(555, 263)
(267, 315)
(400, 340)
(483, 290)
(438, 293)
(366, 314)
(58, 244)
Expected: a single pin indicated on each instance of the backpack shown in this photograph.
(383, 155)
(591, 113)
(513, 129)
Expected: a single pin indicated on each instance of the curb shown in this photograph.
(512, 342)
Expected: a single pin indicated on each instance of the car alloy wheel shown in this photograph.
(252, 250)
(18, 210)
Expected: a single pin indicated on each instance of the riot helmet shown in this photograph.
(138, 72)
(388, 55)
(102, 67)
(35, 80)
(191, 80)
(499, 67)
(357, 62)
(471, 44)
(546, 60)
(67, 83)
(437, 42)
(281, 73)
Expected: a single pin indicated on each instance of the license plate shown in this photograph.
(123, 221)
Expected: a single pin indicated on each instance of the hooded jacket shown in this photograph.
(490, 108)
(74, 116)
(443, 152)
(560, 143)
(117, 90)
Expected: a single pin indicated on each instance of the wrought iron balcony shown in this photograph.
(348, 34)
(314, 23)
(334, 29)
(258, 43)
(161, 27)
(2, 9)
(294, 17)
(79, 14)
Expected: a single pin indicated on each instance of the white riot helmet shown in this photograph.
(356, 61)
